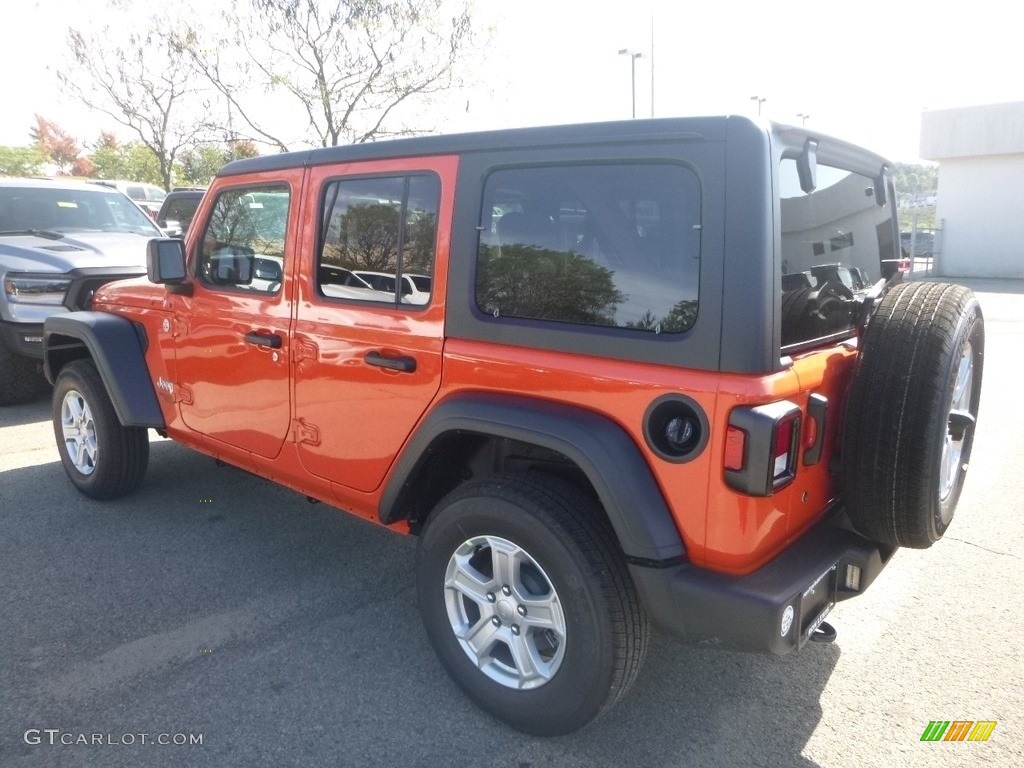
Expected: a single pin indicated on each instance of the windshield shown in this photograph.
(834, 241)
(64, 211)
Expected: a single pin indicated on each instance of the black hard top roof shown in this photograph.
(660, 129)
(481, 141)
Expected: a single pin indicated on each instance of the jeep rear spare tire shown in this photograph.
(911, 413)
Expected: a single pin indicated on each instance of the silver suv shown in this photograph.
(59, 241)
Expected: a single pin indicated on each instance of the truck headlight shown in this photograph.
(36, 290)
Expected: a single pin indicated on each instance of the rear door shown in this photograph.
(367, 364)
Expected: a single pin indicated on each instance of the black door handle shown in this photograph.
(271, 340)
(403, 364)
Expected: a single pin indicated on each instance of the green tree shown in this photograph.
(133, 160)
(108, 158)
(915, 181)
(21, 161)
(199, 164)
(527, 281)
(420, 239)
(680, 318)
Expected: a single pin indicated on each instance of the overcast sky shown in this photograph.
(863, 71)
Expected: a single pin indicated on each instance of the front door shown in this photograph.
(368, 355)
(232, 346)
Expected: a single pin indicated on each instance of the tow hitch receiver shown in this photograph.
(824, 633)
(816, 603)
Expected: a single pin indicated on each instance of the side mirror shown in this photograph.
(268, 269)
(232, 265)
(165, 261)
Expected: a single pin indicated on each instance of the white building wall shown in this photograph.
(980, 152)
(991, 129)
(981, 204)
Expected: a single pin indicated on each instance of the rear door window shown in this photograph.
(374, 230)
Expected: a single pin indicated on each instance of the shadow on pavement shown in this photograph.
(214, 602)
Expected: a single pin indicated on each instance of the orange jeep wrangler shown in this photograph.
(652, 373)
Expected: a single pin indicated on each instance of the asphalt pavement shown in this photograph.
(215, 619)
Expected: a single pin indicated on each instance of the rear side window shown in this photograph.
(243, 245)
(609, 245)
(378, 237)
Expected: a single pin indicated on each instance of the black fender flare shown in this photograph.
(605, 453)
(116, 348)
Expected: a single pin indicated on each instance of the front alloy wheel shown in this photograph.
(79, 431)
(102, 457)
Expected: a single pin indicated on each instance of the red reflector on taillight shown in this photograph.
(735, 447)
(783, 443)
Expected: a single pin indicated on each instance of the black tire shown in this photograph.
(794, 313)
(21, 378)
(113, 458)
(909, 425)
(570, 541)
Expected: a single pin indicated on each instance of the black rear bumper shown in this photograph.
(747, 612)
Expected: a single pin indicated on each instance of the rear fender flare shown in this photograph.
(602, 450)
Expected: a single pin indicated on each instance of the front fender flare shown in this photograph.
(115, 347)
(605, 453)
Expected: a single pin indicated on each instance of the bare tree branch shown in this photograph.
(116, 78)
(348, 65)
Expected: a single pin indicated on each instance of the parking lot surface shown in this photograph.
(233, 624)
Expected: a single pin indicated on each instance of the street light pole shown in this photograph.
(633, 56)
(803, 117)
(760, 100)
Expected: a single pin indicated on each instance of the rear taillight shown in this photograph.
(761, 447)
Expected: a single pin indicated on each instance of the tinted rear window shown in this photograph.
(610, 245)
(833, 242)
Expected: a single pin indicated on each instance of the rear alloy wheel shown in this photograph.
(527, 600)
(505, 612)
(103, 458)
(911, 413)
